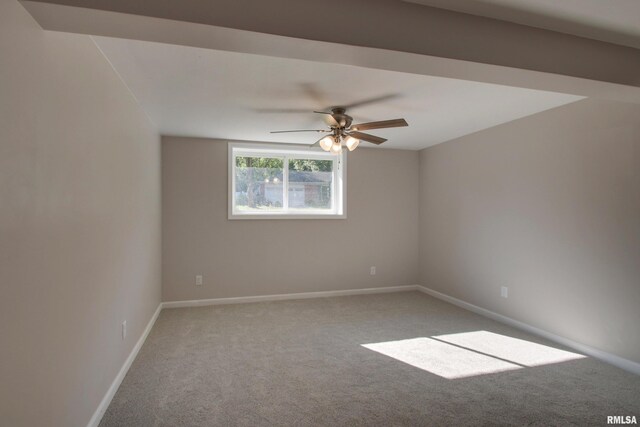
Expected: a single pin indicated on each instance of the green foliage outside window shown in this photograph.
(255, 176)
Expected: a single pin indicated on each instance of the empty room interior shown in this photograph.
(306, 213)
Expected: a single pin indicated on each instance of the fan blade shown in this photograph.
(280, 110)
(371, 100)
(310, 90)
(314, 93)
(329, 119)
(301, 130)
(366, 137)
(396, 123)
(317, 143)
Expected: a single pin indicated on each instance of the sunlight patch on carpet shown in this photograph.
(469, 354)
(516, 350)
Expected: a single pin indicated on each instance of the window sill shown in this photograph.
(286, 216)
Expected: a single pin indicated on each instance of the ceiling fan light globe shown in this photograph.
(336, 148)
(351, 143)
(326, 143)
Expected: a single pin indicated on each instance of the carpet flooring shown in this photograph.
(398, 359)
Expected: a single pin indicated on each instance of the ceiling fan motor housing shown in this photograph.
(340, 116)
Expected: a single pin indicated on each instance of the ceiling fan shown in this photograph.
(343, 131)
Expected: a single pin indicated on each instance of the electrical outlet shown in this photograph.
(504, 292)
(124, 329)
(198, 280)
(373, 271)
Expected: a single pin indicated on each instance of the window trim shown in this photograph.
(339, 181)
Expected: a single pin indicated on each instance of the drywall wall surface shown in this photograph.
(549, 206)
(79, 223)
(263, 257)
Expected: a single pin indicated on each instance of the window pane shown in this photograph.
(310, 184)
(259, 184)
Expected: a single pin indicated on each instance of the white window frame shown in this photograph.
(286, 152)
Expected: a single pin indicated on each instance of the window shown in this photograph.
(276, 181)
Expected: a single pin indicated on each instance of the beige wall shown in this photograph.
(261, 257)
(549, 206)
(79, 223)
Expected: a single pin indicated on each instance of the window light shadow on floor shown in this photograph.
(469, 354)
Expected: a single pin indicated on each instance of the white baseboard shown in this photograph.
(612, 359)
(281, 297)
(106, 400)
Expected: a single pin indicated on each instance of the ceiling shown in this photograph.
(614, 21)
(217, 94)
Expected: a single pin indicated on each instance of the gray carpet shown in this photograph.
(303, 363)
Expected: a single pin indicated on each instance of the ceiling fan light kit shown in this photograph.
(342, 131)
(334, 143)
(326, 143)
(336, 148)
(351, 142)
